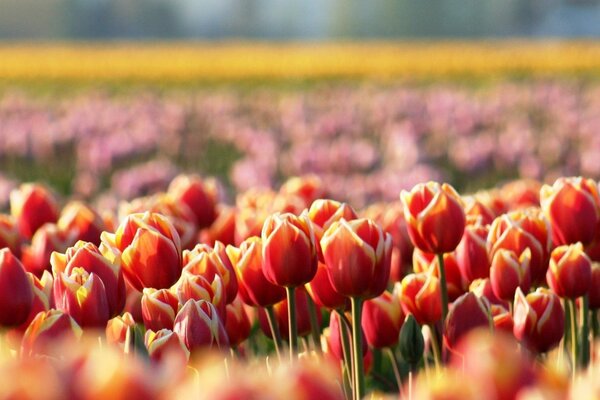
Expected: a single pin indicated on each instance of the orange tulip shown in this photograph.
(309, 188)
(509, 272)
(471, 253)
(570, 271)
(116, 329)
(196, 287)
(84, 220)
(199, 195)
(323, 293)
(159, 308)
(358, 256)
(382, 320)
(435, 217)
(222, 229)
(43, 332)
(572, 205)
(323, 213)
(420, 296)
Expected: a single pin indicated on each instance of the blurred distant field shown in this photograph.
(205, 62)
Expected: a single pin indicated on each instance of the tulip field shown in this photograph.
(332, 240)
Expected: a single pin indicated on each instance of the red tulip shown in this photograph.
(82, 219)
(82, 295)
(570, 271)
(87, 256)
(47, 239)
(166, 344)
(471, 253)
(483, 288)
(358, 255)
(476, 209)
(309, 188)
(519, 230)
(323, 293)
(222, 229)
(199, 195)
(208, 262)
(43, 332)
(254, 288)
(196, 287)
(289, 250)
(43, 299)
(198, 326)
(538, 319)
(334, 339)
(323, 213)
(521, 193)
(420, 296)
(32, 205)
(467, 313)
(16, 295)
(509, 272)
(572, 205)
(159, 308)
(382, 319)
(435, 217)
(237, 323)
(502, 318)
(150, 250)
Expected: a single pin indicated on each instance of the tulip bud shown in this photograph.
(572, 206)
(435, 217)
(166, 344)
(237, 323)
(538, 319)
(41, 335)
(150, 250)
(412, 344)
(323, 293)
(509, 272)
(254, 288)
(82, 219)
(199, 195)
(198, 326)
(281, 314)
(420, 296)
(116, 329)
(208, 262)
(519, 230)
(87, 256)
(467, 313)
(32, 205)
(382, 319)
(570, 271)
(82, 296)
(357, 255)
(16, 295)
(159, 308)
(289, 250)
(471, 253)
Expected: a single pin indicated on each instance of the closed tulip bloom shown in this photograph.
(358, 255)
(237, 323)
(48, 326)
(9, 234)
(594, 293)
(323, 293)
(420, 296)
(254, 288)
(16, 294)
(426, 262)
(32, 205)
(570, 271)
(483, 288)
(83, 297)
(87, 256)
(324, 212)
(165, 344)
(281, 314)
(43, 299)
(476, 209)
(538, 319)
(208, 262)
(471, 253)
(196, 287)
(198, 194)
(47, 239)
(519, 230)
(289, 250)
(467, 313)
(198, 326)
(435, 217)
(150, 250)
(509, 272)
(117, 327)
(382, 320)
(572, 207)
(159, 308)
(82, 219)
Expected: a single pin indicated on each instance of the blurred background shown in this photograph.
(110, 99)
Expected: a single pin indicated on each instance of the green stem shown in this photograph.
(344, 338)
(595, 323)
(573, 335)
(291, 298)
(435, 348)
(359, 372)
(567, 308)
(274, 330)
(444, 287)
(585, 332)
(314, 323)
(394, 361)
